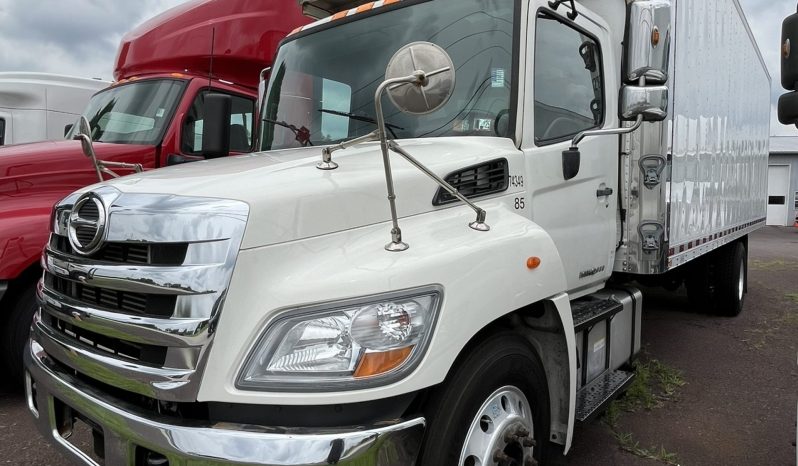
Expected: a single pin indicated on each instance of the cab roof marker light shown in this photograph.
(345, 14)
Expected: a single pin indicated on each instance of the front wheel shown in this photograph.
(493, 409)
(16, 331)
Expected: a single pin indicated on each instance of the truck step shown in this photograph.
(595, 396)
(588, 312)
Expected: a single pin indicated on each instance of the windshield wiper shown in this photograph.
(302, 134)
(363, 118)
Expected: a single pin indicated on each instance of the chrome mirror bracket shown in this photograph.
(326, 153)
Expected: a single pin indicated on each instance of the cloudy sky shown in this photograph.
(80, 37)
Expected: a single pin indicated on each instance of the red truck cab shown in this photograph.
(152, 115)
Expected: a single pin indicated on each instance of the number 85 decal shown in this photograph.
(520, 203)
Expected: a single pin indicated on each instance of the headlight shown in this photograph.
(344, 345)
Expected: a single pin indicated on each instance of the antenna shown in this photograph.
(210, 65)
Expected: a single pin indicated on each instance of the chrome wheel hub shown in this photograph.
(502, 432)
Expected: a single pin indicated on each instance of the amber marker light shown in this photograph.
(533, 263)
(785, 49)
(655, 37)
(382, 362)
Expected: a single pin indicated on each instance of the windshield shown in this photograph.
(136, 113)
(323, 84)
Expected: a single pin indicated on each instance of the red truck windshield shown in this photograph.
(323, 83)
(135, 113)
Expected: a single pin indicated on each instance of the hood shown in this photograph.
(291, 199)
(63, 156)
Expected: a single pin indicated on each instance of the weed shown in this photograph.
(774, 265)
(628, 443)
(654, 384)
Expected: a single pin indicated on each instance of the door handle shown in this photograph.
(604, 192)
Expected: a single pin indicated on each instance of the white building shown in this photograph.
(783, 181)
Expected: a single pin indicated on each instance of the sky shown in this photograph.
(80, 37)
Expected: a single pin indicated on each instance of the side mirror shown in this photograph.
(67, 129)
(650, 102)
(216, 126)
(788, 103)
(571, 161)
(84, 135)
(437, 85)
(648, 40)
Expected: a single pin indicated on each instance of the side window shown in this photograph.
(569, 95)
(2, 132)
(241, 121)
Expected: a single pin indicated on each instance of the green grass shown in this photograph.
(656, 383)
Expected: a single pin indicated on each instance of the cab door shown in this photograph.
(571, 86)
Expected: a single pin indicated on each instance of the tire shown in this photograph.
(16, 331)
(731, 277)
(718, 282)
(502, 368)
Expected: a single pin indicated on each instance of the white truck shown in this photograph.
(39, 106)
(275, 309)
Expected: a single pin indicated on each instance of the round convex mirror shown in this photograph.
(429, 96)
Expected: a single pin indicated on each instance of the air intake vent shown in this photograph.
(479, 180)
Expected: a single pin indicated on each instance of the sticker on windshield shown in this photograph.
(482, 124)
(160, 112)
(497, 77)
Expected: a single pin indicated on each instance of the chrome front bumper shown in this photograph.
(125, 430)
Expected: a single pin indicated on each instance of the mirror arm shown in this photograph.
(605, 132)
(326, 153)
(479, 224)
(417, 78)
(85, 140)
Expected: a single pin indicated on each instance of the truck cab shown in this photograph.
(37, 106)
(415, 268)
(153, 115)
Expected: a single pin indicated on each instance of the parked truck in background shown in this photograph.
(274, 308)
(37, 106)
(153, 115)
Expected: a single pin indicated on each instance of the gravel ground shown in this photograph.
(738, 405)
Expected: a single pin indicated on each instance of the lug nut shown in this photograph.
(501, 456)
(528, 442)
(530, 462)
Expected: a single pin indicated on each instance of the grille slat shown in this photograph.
(480, 180)
(149, 354)
(134, 253)
(113, 300)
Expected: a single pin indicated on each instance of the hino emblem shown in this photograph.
(86, 225)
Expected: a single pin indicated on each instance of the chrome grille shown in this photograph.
(113, 300)
(149, 354)
(134, 253)
(136, 314)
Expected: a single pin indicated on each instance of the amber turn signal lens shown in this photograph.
(533, 263)
(655, 37)
(380, 363)
(785, 49)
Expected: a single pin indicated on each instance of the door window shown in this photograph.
(2, 132)
(569, 95)
(241, 119)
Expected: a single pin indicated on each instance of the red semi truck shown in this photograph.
(153, 115)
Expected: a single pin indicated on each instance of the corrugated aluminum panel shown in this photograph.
(720, 129)
(714, 142)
